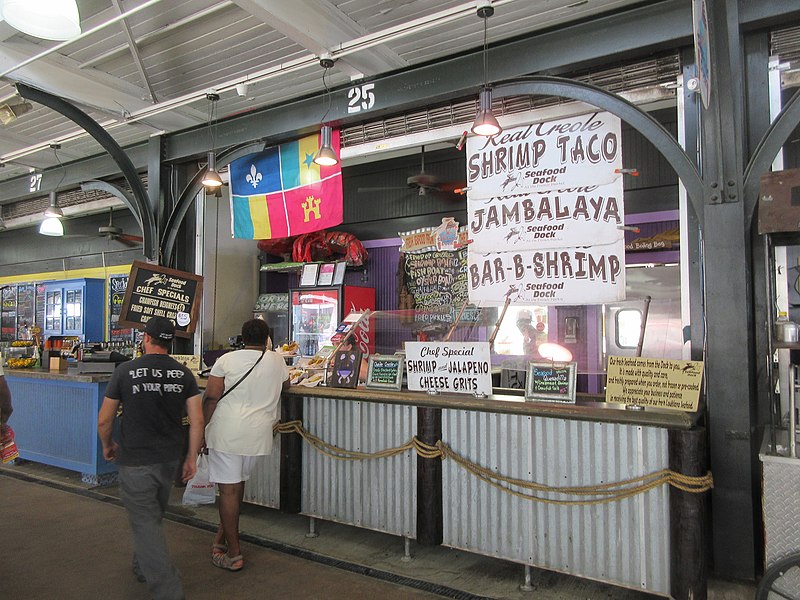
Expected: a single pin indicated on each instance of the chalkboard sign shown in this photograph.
(345, 369)
(155, 291)
(551, 382)
(437, 280)
(385, 372)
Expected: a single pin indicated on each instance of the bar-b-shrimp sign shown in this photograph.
(546, 209)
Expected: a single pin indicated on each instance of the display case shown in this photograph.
(74, 307)
(317, 311)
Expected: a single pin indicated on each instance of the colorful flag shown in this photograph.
(282, 192)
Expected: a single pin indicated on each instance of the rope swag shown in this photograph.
(530, 490)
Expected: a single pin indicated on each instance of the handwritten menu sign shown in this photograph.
(117, 285)
(438, 282)
(460, 367)
(385, 372)
(155, 291)
(661, 383)
(551, 382)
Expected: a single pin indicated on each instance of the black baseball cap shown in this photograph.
(160, 328)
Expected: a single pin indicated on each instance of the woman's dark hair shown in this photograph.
(255, 332)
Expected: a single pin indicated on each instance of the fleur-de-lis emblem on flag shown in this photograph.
(254, 177)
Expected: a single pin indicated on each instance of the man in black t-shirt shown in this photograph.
(154, 390)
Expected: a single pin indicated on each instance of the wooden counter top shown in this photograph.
(585, 409)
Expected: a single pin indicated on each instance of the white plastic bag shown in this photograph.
(199, 490)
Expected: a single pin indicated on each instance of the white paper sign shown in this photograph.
(549, 276)
(564, 153)
(456, 367)
(549, 219)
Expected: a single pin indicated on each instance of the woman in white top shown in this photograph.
(241, 404)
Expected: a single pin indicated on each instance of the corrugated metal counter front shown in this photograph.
(624, 542)
(55, 420)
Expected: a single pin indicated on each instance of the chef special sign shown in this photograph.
(546, 208)
(456, 367)
(155, 291)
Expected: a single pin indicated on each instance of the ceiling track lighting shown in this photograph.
(485, 123)
(326, 155)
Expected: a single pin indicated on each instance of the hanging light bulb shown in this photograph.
(45, 19)
(485, 122)
(326, 157)
(53, 211)
(211, 178)
(52, 226)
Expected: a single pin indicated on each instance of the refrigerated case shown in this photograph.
(315, 312)
(274, 309)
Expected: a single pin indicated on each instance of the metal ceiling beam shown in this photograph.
(319, 26)
(640, 30)
(107, 142)
(137, 59)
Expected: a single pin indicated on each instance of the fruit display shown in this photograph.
(22, 343)
(20, 363)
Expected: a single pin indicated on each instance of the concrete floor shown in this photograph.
(71, 540)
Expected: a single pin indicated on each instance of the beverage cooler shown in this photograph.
(274, 309)
(315, 312)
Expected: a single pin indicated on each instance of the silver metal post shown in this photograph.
(526, 586)
(406, 550)
(311, 529)
(792, 414)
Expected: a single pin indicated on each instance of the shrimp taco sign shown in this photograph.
(155, 291)
(550, 195)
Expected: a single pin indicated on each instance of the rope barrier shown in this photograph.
(529, 490)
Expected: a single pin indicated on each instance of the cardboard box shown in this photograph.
(57, 363)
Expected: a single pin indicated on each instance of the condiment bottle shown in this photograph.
(786, 330)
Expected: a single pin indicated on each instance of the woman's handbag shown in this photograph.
(8, 447)
(199, 490)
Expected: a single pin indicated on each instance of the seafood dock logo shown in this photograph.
(156, 279)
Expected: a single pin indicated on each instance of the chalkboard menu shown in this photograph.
(385, 372)
(437, 280)
(117, 284)
(551, 382)
(154, 291)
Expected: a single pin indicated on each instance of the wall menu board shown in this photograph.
(155, 291)
(385, 372)
(117, 284)
(438, 282)
(551, 382)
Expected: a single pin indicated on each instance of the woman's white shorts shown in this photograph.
(229, 468)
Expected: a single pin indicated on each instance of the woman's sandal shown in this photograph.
(230, 563)
(218, 549)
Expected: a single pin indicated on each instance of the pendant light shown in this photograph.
(46, 19)
(326, 156)
(52, 224)
(485, 122)
(211, 179)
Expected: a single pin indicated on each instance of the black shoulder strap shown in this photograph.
(233, 387)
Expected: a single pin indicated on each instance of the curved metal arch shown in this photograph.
(140, 207)
(110, 188)
(190, 192)
(630, 113)
(766, 151)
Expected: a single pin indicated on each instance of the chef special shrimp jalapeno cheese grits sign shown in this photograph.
(456, 367)
(155, 291)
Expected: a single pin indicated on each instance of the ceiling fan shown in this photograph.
(422, 182)
(113, 233)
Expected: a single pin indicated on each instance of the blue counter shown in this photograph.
(55, 421)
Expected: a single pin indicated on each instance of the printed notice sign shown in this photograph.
(154, 291)
(661, 383)
(459, 367)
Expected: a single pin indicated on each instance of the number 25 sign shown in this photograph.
(360, 97)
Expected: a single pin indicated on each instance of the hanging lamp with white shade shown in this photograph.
(52, 224)
(46, 19)
(485, 123)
